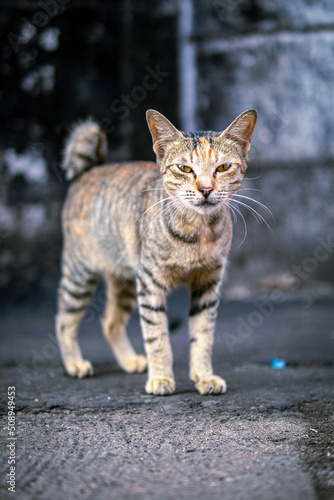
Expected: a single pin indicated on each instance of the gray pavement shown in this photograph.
(269, 437)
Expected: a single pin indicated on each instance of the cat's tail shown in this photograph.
(86, 147)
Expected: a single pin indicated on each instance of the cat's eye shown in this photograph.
(223, 167)
(185, 168)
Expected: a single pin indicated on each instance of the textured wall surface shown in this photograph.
(63, 60)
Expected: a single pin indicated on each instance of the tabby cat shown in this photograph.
(143, 228)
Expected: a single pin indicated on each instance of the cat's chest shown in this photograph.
(184, 262)
(179, 250)
(201, 243)
(206, 252)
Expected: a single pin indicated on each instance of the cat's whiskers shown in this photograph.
(252, 178)
(237, 195)
(228, 207)
(172, 216)
(228, 202)
(234, 209)
(154, 204)
(225, 201)
(252, 210)
(160, 213)
(180, 206)
(231, 197)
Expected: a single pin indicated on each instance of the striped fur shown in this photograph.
(143, 228)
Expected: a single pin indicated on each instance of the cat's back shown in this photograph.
(100, 213)
(113, 185)
(115, 176)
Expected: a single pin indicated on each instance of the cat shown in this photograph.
(144, 227)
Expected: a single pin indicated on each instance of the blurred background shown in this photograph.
(200, 63)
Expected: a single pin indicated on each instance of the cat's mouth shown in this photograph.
(205, 206)
(207, 203)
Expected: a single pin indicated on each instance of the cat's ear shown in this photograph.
(162, 131)
(241, 129)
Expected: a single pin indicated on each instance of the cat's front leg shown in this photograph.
(202, 319)
(153, 319)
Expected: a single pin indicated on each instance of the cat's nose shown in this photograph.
(205, 190)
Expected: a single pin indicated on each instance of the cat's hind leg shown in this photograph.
(121, 299)
(75, 290)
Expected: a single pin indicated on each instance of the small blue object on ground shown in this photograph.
(277, 364)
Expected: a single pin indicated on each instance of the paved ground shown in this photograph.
(269, 437)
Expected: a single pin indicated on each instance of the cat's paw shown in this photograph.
(79, 369)
(211, 385)
(160, 386)
(136, 364)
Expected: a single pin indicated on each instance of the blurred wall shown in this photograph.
(200, 63)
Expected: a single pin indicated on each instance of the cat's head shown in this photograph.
(203, 169)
